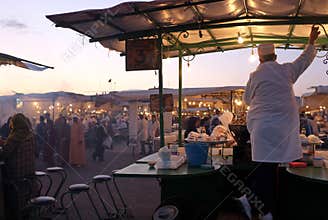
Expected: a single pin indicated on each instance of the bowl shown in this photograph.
(152, 163)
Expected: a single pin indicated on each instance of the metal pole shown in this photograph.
(160, 91)
(231, 101)
(180, 98)
(53, 109)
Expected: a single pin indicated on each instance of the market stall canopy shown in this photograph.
(202, 26)
(6, 59)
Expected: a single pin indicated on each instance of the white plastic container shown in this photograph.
(317, 162)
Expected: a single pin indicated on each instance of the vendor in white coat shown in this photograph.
(142, 133)
(273, 119)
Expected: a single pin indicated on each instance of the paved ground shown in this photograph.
(141, 195)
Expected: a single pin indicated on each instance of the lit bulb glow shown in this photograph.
(238, 102)
(240, 38)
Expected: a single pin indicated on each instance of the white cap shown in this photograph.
(265, 49)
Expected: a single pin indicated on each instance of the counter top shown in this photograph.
(311, 173)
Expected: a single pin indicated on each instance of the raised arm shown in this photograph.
(307, 56)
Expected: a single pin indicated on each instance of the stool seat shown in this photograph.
(40, 173)
(101, 178)
(167, 212)
(54, 169)
(81, 187)
(43, 201)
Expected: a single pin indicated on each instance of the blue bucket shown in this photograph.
(196, 153)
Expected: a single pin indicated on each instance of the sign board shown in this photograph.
(167, 103)
(141, 55)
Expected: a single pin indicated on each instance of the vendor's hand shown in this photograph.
(314, 34)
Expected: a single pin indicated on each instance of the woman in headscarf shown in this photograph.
(18, 155)
(77, 155)
(192, 125)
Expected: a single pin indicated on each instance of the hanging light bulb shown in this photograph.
(252, 57)
(200, 34)
(188, 68)
(240, 38)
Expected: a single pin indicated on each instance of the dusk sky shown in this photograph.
(26, 33)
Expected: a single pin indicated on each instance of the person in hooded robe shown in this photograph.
(41, 136)
(19, 155)
(62, 130)
(77, 156)
(49, 149)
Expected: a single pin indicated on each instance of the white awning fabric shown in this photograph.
(202, 26)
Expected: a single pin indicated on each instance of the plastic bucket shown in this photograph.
(196, 153)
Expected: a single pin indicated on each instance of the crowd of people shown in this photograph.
(56, 142)
(313, 123)
(64, 141)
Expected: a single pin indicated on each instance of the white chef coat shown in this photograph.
(142, 130)
(273, 120)
(152, 128)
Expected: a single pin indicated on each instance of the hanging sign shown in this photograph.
(142, 55)
(167, 103)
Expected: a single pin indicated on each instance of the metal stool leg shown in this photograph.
(63, 175)
(121, 197)
(40, 185)
(111, 197)
(75, 207)
(102, 201)
(49, 184)
(93, 205)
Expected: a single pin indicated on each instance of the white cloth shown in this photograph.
(108, 142)
(219, 131)
(272, 119)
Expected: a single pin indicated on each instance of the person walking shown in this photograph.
(62, 130)
(101, 135)
(142, 133)
(153, 131)
(273, 120)
(77, 155)
(49, 149)
(41, 136)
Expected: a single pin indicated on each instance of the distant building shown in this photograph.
(316, 100)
